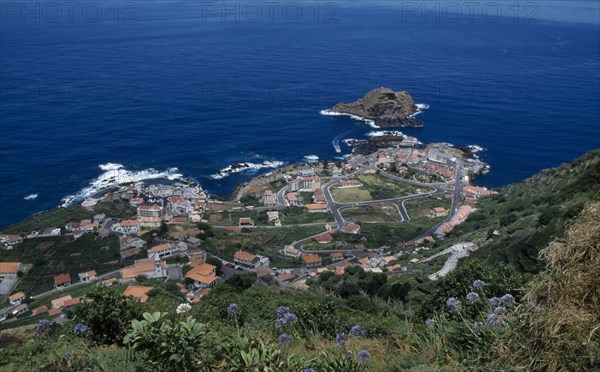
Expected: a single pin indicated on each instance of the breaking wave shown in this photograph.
(241, 167)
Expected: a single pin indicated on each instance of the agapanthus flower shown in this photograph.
(357, 331)
(284, 338)
(499, 310)
(309, 370)
(453, 304)
(184, 308)
(43, 326)
(341, 339)
(478, 283)
(363, 356)
(472, 297)
(508, 300)
(477, 328)
(492, 320)
(494, 301)
(282, 310)
(80, 329)
(233, 309)
(430, 323)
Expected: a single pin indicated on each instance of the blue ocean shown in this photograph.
(190, 87)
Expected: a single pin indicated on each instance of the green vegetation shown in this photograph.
(382, 187)
(53, 218)
(385, 212)
(293, 216)
(350, 194)
(117, 208)
(55, 255)
(422, 207)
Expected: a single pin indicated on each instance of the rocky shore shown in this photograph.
(384, 107)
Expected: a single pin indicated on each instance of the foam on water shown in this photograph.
(31, 197)
(311, 158)
(355, 117)
(116, 174)
(246, 166)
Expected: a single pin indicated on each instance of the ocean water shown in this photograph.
(198, 86)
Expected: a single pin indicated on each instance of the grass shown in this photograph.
(116, 209)
(350, 194)
(385, 212)
(378, 235)
(291, 216)
(381, 187)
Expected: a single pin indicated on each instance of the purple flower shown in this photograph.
(364, 356)
(494, 301)
(357, 331)
(477, 328)
(453, 304)
(284, 339)
(492, 320)
(68, 355)
(80, 329)
(430, 323)
(478, 283)
(472, 297)
(341, 339)
(44, 326)
(285, 319)
(309, 370)
(508, 300)
(282, 310)
(234, 310)
(500, 310)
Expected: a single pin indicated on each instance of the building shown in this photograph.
(203, 275)
(246, 222)
(60, 302)
(316, 208)
(246, 259)
(438, 212)
(305, 183)
(269, 199)
(336, 256)
(62, 281)
(10, 270)
(318, 196)
(16, 298)
(292, 199)
(11, 239)
(160, 251)
(324, 238)
(290, 251)
(150, 211)
(128, 226)
(311, 260)
(39, 310)
(180, 205)
(139, 292)
(349, 183)
(351, 228)
(196, 256)
(88, 276)
(151, 268)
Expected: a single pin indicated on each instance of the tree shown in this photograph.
(108, 314)
(215, 262)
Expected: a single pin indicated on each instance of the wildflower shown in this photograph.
(286, 319)
(492, 320)
(234, 310)
(357, 331)
(494, 301)
(430, 323)
(453, 304)
(282, 310)
(508, 300)
(68, 355)
(309, 370)
(284, 339)
(477, 328)
(500, 310)
(478, 283)
(80, 329)
(363, 356)
(472, 297)
(341, 339)
(44, 326)
(184, 308)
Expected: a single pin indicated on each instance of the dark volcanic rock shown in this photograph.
(366, 147)
(385, 107)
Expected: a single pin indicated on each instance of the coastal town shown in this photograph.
(383, 211)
